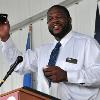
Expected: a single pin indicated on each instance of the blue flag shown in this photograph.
(27, 80)
(97, 26)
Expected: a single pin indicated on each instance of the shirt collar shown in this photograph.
(65, 39)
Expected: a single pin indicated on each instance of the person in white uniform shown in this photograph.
(76, 73)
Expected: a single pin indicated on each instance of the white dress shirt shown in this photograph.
(83, 76)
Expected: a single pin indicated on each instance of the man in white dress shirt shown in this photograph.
(76, 74)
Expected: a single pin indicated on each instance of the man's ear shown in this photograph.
(70, 20)
(8, 25)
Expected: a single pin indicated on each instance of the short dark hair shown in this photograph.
(63, 8)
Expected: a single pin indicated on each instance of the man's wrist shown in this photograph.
(4, 39)
(66, 79)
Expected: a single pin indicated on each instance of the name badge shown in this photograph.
(71, 60)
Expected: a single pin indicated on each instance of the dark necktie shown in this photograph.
(54, 56)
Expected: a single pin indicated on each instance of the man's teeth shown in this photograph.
(55, 26)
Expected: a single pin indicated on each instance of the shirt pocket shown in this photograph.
(69, 66)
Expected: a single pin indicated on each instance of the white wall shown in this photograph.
(83, 18)
(18, 10)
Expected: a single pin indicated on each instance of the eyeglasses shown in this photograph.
(3, 18)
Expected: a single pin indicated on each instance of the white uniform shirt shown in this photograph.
(74, 45)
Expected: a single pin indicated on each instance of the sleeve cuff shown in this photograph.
(74, 77)
(7, 44)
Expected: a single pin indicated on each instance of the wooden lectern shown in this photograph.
(26, 94)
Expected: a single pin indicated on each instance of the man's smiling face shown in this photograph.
(58, 22)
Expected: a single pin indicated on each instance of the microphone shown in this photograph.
(12, 67)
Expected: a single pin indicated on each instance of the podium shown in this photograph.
(26, 93)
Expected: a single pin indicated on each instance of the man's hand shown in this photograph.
(55, 74)
(4, 32)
